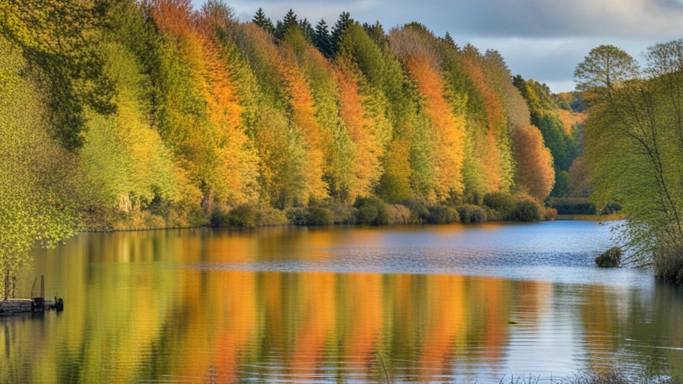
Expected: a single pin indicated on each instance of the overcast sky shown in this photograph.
(539, 39)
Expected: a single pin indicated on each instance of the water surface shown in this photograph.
(426, 304)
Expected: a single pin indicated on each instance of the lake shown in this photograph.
(457, 303)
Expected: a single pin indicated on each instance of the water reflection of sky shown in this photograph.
(560, 252)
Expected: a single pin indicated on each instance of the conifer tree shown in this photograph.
(307, 30)
(340, 27)
(376, 33)
(281, 27)
(262, 21)
(322, 39)
(448, 39)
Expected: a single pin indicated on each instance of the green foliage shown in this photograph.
(634, 141)
(262, 21)
(322, 39)
(288, 22)
(372, 211)
(572, 206)
(60, 38)
(605, 68)
(564, 146)
(668, 262)
(610, 258)
(527, 209)
(501, 202)
(472, 214)
(37, 193)
(243, 216)
(320, 216)
(441, 214)
(419, 210)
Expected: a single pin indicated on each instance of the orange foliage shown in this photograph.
(535, 174)
(449, 129)
(303, 116)
(570, 119)
(367, 163)
(219, 150)
(496, 120)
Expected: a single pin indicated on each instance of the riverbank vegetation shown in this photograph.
(130, 115)
(634, 138)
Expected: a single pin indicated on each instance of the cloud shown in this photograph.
(539, 39)
(575, 18)
(494, 18)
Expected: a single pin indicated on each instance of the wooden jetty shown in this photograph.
(13, 307)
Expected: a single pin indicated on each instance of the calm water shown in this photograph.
(428, 304)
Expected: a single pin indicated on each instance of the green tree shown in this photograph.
(262, 21)
(38, 192)
(343, 22)
(633, 146)
(322, 39)
(60, 37)
(289, 21)
(605, 68)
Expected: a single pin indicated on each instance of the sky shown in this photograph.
(539, 39)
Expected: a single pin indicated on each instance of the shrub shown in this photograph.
(419, 210)
(242, 216)
(399, 214)
(270, 216)
(668, 261)
(501, 202)
(372, 211)
(549, 214)
(527, 209)
(297, 216)
(472, 214)
(320, 216)
(442, 215)
(341, 213)
(219, 218)
(610, 258)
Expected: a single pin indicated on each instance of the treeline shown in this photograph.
(127, 115)
(634, 141)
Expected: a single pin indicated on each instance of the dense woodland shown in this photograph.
(130, 115)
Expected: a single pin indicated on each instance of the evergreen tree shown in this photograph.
(290, 20)
(307, 30)
(340, 27)
(448, 39)
(322, 39)
(376, 33)
(262, 21)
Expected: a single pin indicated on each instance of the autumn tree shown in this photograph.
(535, 174)
(446, 128)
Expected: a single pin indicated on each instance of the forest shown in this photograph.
(124, 115)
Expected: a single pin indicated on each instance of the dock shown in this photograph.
(14, 307)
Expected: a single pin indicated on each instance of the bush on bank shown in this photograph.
(374, 211)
